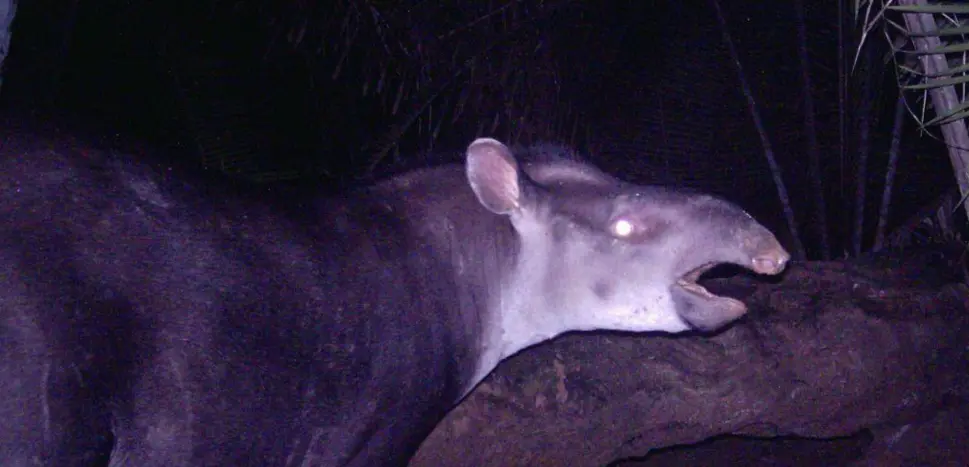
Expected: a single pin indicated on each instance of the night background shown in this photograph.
(331, 92)
(332, 95)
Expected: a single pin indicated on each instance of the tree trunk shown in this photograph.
(810, 129)
(8, 8)
(944, 99)
(893, 156)
(775, 169)
(866, 119)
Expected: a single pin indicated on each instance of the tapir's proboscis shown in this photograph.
(155, 317)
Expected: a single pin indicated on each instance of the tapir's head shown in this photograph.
(597, 253)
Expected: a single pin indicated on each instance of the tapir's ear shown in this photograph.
(493, 175)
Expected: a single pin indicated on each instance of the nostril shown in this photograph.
(763, 265)
(770, 264)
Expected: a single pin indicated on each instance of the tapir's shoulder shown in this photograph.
(41, 175)
(43, 163)
(33, 165)
(52, 181)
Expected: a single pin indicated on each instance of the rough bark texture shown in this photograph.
(831, 349)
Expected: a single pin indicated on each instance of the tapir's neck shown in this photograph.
(498, 275)
(518, 317)
(483, 250)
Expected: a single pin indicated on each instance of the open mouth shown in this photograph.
(701, 308)
(690, 282)
(705, 310)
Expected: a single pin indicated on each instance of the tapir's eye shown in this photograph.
(622, 228)
(640, 229)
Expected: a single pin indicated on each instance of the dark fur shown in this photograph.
(262, 307)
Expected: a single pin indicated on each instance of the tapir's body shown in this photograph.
(200, 326)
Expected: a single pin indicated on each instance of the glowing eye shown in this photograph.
(622, 228)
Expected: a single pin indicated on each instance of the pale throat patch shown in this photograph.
(517, 317)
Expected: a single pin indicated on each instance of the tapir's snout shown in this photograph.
(771, 259)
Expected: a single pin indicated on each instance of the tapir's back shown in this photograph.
(190, 311)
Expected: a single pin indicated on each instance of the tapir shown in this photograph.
(153, 317)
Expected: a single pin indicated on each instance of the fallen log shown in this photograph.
(830, 349)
